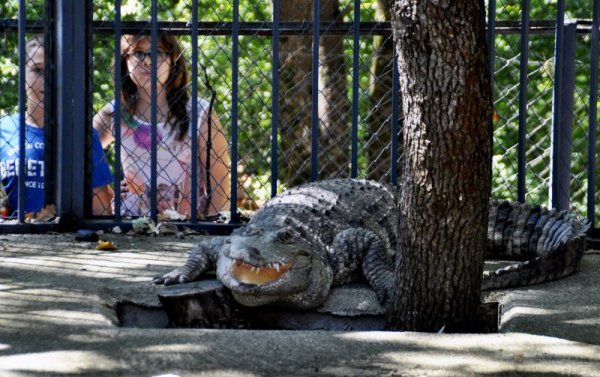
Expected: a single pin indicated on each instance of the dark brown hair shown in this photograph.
(177, 92)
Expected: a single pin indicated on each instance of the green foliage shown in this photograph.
(255, 79)
(540, 76)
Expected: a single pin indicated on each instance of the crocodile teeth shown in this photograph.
(251, 274)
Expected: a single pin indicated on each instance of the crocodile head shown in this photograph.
(274, 265)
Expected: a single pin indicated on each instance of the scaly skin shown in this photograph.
(327, 233)
(548, 243)
(317, 235)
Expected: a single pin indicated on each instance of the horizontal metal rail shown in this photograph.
(285, 28)
(237, 28)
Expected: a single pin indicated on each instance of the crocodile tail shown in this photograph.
(552, 241)
(537, 270)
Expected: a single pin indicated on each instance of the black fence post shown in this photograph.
(71, 117)
(22, 111)
(154, 112)
(355, 78)
(491, 37)
(523, 100)
(275, 99)
(117, 115)
(235, 46)
(314, 174)
(395, 118)
(562, 120)
(49, 103)
(593, 124)
(194, 114)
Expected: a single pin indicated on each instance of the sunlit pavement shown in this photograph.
(57, 318)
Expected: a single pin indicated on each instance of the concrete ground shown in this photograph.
(57, 318)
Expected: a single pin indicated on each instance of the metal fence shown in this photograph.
(292, 107)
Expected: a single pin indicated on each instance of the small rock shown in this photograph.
(86, 235)
(180, 235)
(189, 231)
(166, 228)
(171, 214)
(143, 225)
(117, 230)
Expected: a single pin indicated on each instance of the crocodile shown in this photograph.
(327, 233)
(547, 244)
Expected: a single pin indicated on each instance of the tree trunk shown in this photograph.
(295, 98)
(295, 63)
(379, 120)
(446, 179)
(334, 104)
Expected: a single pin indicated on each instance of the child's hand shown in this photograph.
(124, 189)
(133, 185)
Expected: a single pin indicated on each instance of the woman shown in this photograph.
(174, 155)
(34, 151)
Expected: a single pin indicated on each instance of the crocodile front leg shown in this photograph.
(356, 249)
(203, 257)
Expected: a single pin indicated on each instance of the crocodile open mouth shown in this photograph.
(250, 274)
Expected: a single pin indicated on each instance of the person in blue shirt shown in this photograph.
(34, 147)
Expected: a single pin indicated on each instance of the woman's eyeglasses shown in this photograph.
(161, 56)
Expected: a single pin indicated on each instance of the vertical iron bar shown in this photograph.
(89, 109)
(355, 78)
(523, 86)
(78, 118)
(395, 117)
(315, 93)
(557, 108)
(563, 114)
(117, 116)
(49, 119)
(63, 106)
(22, 113)
(591, 194)
(275, 99)
(491, 37)
(154, 112)
(194, 114)
(70, 83)
(234, 107)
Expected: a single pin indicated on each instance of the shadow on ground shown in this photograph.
(57, 299)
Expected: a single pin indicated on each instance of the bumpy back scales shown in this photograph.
(551, 241)
(325, 208)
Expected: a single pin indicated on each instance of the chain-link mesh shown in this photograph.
(34, 64)
(296, 125)
(540, 81)
(295, 60)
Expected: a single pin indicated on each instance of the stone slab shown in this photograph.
(57, 318)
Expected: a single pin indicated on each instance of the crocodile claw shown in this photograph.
(174, 277)
(179, 275)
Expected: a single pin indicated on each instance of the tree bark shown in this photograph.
(446, 178)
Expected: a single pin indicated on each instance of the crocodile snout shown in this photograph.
(249, 252)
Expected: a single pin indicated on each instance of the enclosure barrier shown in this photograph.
(547, 150)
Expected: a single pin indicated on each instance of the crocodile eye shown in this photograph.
(285, 235)
(251, 231)
(302, 253)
